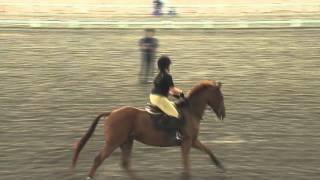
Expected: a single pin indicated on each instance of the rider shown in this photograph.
(163, 86)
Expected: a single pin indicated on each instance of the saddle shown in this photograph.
(164, 122)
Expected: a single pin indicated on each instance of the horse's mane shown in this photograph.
(201, 86)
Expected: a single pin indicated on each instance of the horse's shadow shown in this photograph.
(216, 177)
(183, 177)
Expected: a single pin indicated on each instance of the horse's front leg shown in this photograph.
(185, 150)
(198, 145)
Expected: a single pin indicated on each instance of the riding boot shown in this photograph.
(172, 125)
(177, 124)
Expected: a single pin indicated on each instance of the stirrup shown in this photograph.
(179, 136)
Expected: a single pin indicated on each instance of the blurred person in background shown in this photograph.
(148, 46)
(158, 5)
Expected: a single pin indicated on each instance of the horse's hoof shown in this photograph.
(89, 178)
(219, 165)
(222, 168)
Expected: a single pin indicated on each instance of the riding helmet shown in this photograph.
(164, 63)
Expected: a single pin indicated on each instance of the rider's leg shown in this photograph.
(169, 108)
(165, 105)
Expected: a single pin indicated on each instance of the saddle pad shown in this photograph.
(153, 110)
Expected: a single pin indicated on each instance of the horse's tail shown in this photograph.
(80, 144)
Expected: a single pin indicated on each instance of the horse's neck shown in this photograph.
(197, 104)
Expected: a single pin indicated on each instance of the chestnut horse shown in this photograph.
(126, 124)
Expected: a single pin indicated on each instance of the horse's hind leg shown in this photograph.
(126, 150)
(198, 145)
(103, 154)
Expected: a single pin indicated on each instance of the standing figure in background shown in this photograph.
(158, 5)
(148, 46)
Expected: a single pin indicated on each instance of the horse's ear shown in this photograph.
(219, 84)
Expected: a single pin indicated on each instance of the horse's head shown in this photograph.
(208, 93)
(216, 100)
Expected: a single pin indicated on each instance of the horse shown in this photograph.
(124, 125)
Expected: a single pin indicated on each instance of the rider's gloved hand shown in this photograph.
(182, 95)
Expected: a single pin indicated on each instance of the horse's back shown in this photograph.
(121, 122)
(128, 113)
